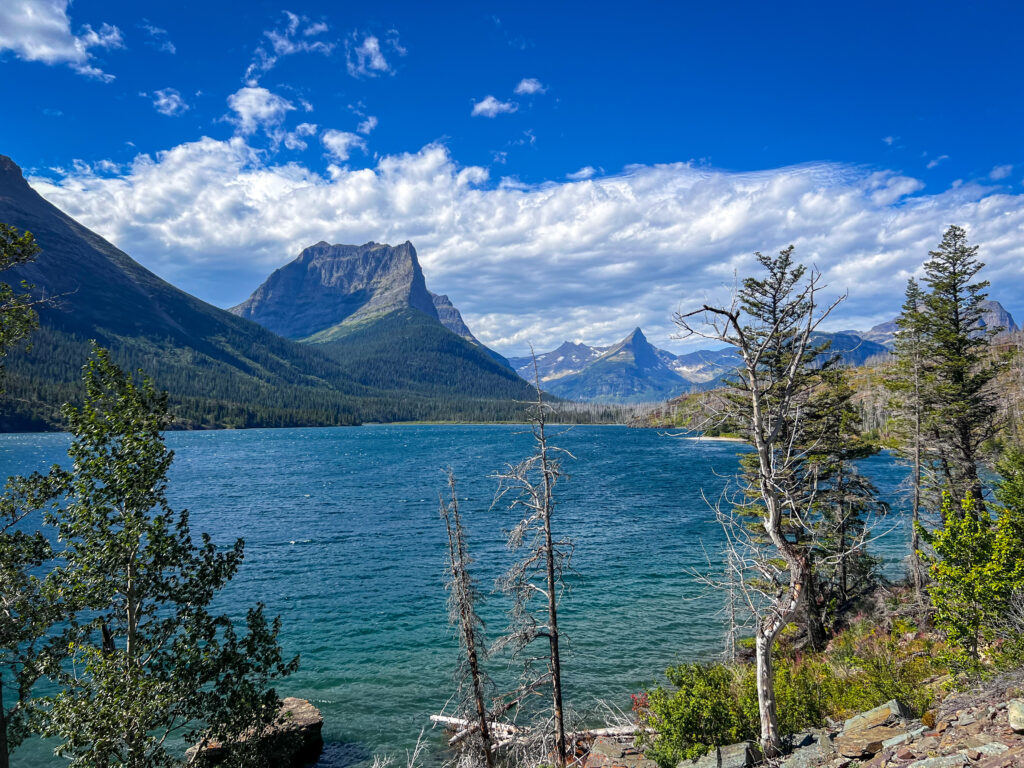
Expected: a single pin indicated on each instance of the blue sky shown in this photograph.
(566, 170)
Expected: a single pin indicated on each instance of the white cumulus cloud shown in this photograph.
(1000, 172)
(542, 263)
(257, 108)
(40, 30)
(295, 36)
(367, 125)
(168, 101)
(585, 172)
(158, 38)
(367, 59)
(492, 107)
(528, 86)
(339, 144)
(294, 139)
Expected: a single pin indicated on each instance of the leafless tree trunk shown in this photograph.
(529, 486)
(462, 598)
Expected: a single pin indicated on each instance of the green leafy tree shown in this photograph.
(978, 565)
(151, 663)
(30, 605)
(27, 608)
(703, 711)
(961, 405)
(17, 314)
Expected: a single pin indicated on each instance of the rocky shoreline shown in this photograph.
(983, 727)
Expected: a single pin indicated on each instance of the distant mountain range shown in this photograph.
(634, 371)
(384, 353)
(339, 335)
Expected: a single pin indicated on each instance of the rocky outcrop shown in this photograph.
(983, 728)
(865, 734)
(296, 738)
(451, 319)
(327, 285)
(745, 754)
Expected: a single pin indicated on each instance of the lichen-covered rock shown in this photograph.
(1015, 714)
(864, 735)
(745, 754)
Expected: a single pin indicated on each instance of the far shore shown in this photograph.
(717, 439)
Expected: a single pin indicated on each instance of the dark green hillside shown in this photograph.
(220, 370)
(407, 350)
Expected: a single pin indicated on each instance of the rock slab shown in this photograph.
(297, 733)
(865, 734)
(1015, 714)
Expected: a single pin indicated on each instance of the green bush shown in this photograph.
(715, 704)
(704, 711)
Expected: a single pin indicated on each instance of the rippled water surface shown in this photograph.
(343, 540)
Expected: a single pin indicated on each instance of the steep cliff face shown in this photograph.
(451, 319)
(332, 285)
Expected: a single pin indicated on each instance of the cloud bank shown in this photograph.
(40, 30)
(586, 260)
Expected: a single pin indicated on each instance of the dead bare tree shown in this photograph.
(770, 322)
(463, 597)
(528, 487)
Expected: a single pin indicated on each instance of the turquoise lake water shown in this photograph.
(343, 540)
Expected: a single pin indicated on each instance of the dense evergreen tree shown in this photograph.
(908, 381)
(961, 407)
(842, 500)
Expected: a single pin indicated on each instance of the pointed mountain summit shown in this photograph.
(327, 286)
(569, 358)
(631, 371)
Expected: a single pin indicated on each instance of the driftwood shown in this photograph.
(509, 733)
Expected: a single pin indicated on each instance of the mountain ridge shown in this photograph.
(221, 370)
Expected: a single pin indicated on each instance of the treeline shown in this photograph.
(207, 393)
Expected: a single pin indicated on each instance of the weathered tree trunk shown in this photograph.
(5, 761)
(552, 589)
(472, 657)
(916, 566)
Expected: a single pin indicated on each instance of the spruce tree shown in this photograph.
(908, 380)
(961, 404)
(842, 499)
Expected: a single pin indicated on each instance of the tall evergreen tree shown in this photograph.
(842, 499)
(908, 380)
(961, 404)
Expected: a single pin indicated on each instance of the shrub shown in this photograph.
(704, 711)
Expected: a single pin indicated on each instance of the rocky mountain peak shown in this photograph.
(327, 285)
